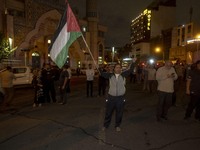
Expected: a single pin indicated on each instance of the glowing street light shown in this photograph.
(158, 50)
(151, 61)
(10, 42)
(49, 41)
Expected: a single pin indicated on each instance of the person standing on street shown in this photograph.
(151, 78)
(90, 78)
(6, 78)
(193, 89)
(64, 76)
(116, 92)
(178, 83)
(38, 88)
(78, 71)
(48, 83)
(133, 75)
(68, 89)
(145, 77)
(165, 76)
(102, 82)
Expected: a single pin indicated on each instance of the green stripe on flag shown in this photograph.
(62, 56)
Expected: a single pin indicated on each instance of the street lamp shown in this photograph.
(198, 39)
(10, 40)
(49, 41)
(158, 50)
(113, 54)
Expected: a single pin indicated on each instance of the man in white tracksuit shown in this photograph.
(116, 99)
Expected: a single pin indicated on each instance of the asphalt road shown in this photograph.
(77, 125)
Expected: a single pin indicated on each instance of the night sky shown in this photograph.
(117, 16)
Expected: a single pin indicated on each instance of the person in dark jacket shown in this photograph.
(64, 77)
(38, 89)
(193, 89)
(47, 77)
(102, 82)
(116, 92)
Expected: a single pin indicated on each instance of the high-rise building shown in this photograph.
(157, 17)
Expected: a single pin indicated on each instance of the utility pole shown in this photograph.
(191, 13)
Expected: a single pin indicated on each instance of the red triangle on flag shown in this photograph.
(72, 24)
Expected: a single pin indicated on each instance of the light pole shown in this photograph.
(113, 54)
(10, 40)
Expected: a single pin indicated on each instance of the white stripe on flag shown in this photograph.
(60, 42)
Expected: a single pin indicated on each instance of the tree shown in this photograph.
(4, 47)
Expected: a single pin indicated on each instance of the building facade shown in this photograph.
(185, 43)
(31, 24)
(150, 25)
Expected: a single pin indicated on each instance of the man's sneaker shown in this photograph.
(40, 105)
(118, 129)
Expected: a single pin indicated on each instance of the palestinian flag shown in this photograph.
(68, 31)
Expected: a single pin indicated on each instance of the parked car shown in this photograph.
(23, 75)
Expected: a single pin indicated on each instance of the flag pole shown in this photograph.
(90, 52)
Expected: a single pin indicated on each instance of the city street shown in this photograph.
(77, 125)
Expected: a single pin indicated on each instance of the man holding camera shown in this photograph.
(165, 76)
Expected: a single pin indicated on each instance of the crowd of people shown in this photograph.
(165, 80)
(51, 85)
